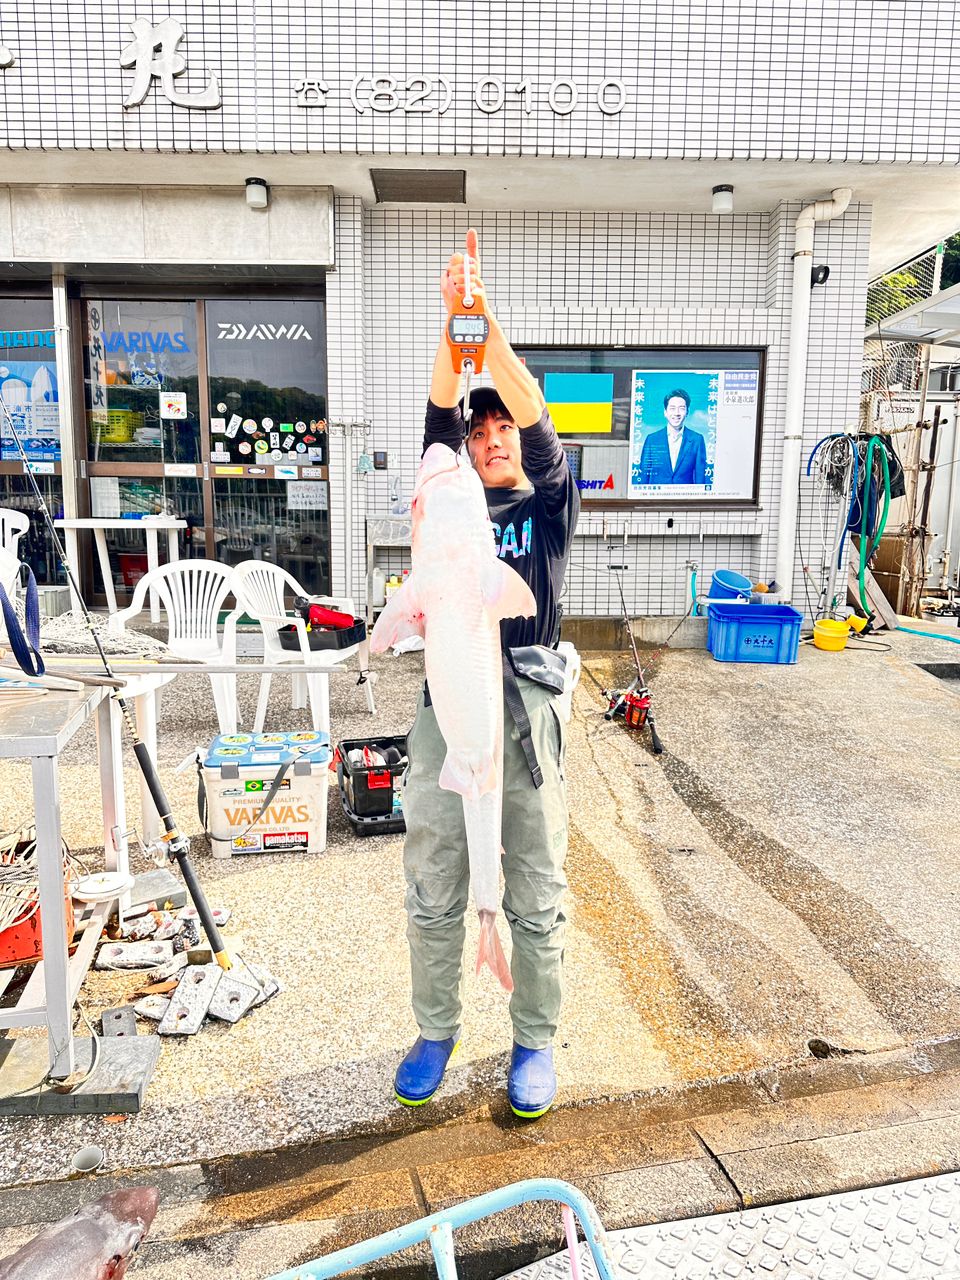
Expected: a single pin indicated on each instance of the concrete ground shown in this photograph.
(784, 876)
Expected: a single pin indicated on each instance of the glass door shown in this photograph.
(268, 434)
(143, 406)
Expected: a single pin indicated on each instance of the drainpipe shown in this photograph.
(819, 211)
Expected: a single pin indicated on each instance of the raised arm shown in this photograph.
(516, 385)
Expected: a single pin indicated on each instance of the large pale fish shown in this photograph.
(457, 592)
(94, 1243)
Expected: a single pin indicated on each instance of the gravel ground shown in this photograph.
(786, 870)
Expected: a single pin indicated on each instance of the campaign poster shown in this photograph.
(693, 433)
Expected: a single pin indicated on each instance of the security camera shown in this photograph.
(819, 275)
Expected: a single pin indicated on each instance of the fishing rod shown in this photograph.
(176, 844)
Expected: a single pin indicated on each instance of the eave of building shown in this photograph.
(913, 206)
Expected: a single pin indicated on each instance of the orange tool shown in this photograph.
(467, 331)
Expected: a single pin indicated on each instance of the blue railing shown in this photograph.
(438, 1229)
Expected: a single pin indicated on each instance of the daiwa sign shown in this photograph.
(233, 332)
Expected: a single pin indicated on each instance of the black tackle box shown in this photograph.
(332, 639)
(370, 796)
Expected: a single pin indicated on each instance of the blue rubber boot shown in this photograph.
(420, 1074)
(532, 1082)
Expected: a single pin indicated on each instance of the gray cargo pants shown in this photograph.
(437, 874)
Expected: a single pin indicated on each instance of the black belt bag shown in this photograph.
(543, 666)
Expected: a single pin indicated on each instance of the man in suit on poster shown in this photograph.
(676, 454)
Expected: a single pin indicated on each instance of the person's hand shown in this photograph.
(453, 280)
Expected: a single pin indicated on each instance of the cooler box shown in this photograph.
(238, 773)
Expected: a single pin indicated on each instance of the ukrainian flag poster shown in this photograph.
(580, 403)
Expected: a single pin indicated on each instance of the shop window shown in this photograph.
(28, 384)
(268, 382)
(656, 426)
(141, 379)
(284, 521)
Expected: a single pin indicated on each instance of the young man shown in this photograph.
(533, 502)
(676, 454)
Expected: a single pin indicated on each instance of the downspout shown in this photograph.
(819, 211)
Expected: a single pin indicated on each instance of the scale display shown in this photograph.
(469, 328)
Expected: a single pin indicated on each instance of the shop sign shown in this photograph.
(587, 486)
(422, 95)
(98, 365)
(143, 342)
(153, 54)
(28, 338)
(232, 331)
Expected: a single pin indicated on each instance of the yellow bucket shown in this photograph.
(830, 634)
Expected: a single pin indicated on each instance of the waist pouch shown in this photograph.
(543, 666)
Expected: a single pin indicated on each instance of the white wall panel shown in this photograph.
(568, 279)
(851, 80)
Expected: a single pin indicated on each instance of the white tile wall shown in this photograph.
(703, 79)
(583, 279)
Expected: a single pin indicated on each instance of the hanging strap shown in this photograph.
(26, 647)
(515, 705)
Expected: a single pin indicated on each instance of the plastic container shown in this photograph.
(340, 638)
(23, 940)
(830, 635)
(238, 773)
(372, 792)
(378, 583)
(744, 633)
(728, 585)
(132, 567)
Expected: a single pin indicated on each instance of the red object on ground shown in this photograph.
(321, 616)
(23, 940)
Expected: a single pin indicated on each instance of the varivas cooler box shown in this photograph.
(266, 793)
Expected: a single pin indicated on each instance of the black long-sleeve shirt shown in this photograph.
(534, 527)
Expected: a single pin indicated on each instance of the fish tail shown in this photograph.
(490, 951)
(469, 773)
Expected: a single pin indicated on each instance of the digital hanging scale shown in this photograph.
(467, 331)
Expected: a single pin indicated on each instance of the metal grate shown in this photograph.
(419, 186)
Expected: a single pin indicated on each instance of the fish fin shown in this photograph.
(505, 593)
(490, 951)
(402, 617)
(470, 773)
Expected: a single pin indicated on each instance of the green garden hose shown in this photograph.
(865, 551)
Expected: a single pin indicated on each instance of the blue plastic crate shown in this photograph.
(754, 633)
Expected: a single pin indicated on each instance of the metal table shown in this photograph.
(38, 728)
(152, 526)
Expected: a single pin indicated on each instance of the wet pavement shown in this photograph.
(783, 876)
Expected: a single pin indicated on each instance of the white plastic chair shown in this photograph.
(13, 524)
(192, 593)
(259, 587)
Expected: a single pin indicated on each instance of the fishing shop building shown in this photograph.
(222, 225)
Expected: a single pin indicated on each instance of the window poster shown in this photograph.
(29, 390)
(693, 433)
